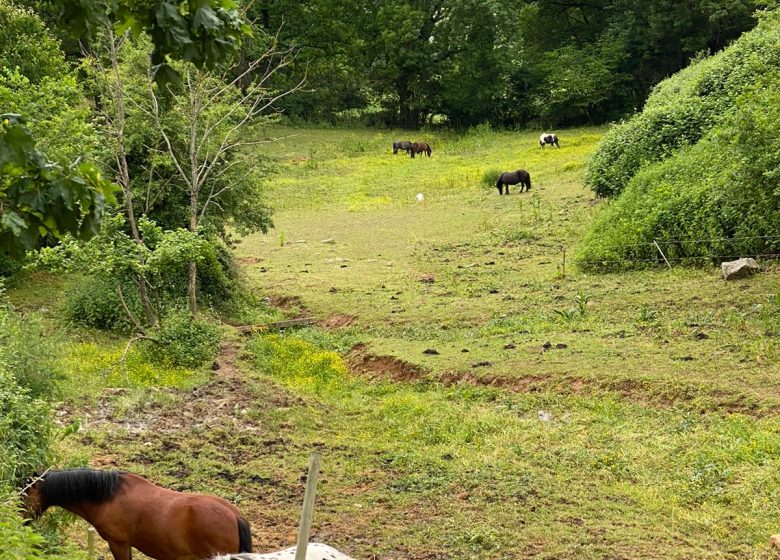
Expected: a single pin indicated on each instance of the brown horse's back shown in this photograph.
(169, 525)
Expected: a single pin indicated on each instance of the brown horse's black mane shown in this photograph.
(62, 488)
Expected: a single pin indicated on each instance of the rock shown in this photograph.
(431, 352)
(774, 541)
(465, 350)
(420, 197)
(481, 364)
(428, 279)
(544, 416)
(510, 346)
(741, 268)
(215, 366)
(329, 241)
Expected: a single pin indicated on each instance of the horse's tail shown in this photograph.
(244, 536)
(498, 181)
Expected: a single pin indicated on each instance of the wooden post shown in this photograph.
(662, 254)
(563, 269)
(308, 507)
(90, 543)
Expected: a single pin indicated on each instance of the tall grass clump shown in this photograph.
(684, 108)
(715, 200)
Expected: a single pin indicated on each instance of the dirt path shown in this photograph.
(202, 439)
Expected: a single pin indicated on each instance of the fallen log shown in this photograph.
(275, 326)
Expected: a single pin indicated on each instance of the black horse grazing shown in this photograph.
(404, 145)
(551, 139)
(419, 148)
(520, 176)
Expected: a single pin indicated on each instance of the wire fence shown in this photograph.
(672, 246)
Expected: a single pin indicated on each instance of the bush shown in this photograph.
(92, 301)
(25, 430)
(683, 108)
(182, 341)
(29, 353)
(19, 542)
(490, 176)
(713, 201)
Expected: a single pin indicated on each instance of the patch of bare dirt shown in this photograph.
(382, 367)
(226, 398)
(292, 305)
(286, 302)
(337, 321)
(249, 260)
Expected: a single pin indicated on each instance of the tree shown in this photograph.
(204, 124)
(40, 198)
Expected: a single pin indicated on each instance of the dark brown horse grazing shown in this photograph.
(520, 176)
(129, 512)
(404, 145)
(419, 148)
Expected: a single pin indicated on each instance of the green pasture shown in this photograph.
(564, 415)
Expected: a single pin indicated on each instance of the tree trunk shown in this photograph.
(191, 288)
(193, 274)
(123, 170)
(406, 115)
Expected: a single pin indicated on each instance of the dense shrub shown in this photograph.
(19, 542)
(93, 302)
(712, 201)
(26, 44)
(29, 353)
(25, 430)
(682, 109)
(182, 341)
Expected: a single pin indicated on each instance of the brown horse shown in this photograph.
(129, 512)
(419, 148)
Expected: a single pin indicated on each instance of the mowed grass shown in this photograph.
(617, 416)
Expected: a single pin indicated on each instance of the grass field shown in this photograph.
(553, 416)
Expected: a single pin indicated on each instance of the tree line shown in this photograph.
(505, 62)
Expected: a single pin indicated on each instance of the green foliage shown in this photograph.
(57, 113)
(682, 109)
(27, 47)
(409, 62)
(112, 258)
(183, 341)
(40, 198)
(490, 176)
(25, 430)
(19, 541)
(714, 201)
(203, 32)
(30, 353)
(93, 302)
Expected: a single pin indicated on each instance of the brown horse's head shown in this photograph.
(33, 503)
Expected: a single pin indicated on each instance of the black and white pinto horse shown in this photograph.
(314, 551)
(547, 138)
(521, 177)
(404, 145)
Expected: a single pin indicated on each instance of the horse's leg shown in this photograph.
(120, 551)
